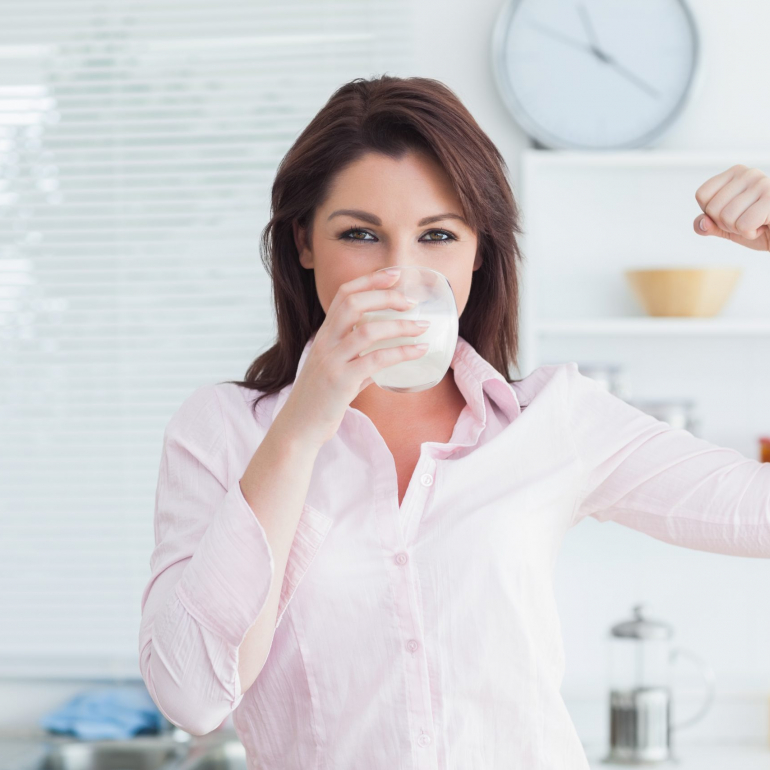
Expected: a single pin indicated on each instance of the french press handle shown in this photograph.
(708, 677)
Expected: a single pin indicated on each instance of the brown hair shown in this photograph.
(391, 115)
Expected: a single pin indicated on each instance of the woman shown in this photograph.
(365, 578)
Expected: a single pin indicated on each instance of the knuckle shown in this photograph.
(366, 331)
(353, 301)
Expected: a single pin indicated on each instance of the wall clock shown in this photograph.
(595, 74)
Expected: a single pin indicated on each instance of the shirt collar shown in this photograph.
(473, 374)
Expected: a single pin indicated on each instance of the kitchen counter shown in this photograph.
(718, 757)
(24, 751)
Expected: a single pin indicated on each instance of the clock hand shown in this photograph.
(601, 55)
(560, 36)
(605, 57)
(586, 19)
(630, 76)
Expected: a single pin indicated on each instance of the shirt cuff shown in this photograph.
(227, 581)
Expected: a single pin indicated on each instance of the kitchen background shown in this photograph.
(138, 141)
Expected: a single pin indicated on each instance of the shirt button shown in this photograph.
(412, 645)
(401, 558)
(426, 479)
(424, 740)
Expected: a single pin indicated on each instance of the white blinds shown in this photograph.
(138, 142)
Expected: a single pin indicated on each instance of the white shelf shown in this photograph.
(647, 325)
(651, 158)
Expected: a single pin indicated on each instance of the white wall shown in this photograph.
(730, 111)
(730, 108)
(603, 569)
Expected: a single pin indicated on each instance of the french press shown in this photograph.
(641, 707)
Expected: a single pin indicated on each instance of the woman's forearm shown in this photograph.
(275, 486)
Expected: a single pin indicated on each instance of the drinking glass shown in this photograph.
(435, 303)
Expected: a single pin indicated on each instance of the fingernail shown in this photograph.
(392, 271)
(702, 224)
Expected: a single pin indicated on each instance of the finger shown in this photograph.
(748, 223)
(732, 213)
(366, 335)
(704, 225)
(711, 229)
(367, 365)
(353, 307)
(711, 186)
(362, 282)
(732, 189)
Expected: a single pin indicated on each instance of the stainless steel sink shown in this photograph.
(139, 753)
(224, 755)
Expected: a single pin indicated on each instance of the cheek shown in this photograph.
(329, 276)
(326, 288)
(461, 287)
(461, 295)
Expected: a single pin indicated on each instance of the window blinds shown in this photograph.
(138, 143)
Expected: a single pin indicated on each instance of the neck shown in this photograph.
(377, 403)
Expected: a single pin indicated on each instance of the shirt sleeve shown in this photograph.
(664, 481)
(211, 571)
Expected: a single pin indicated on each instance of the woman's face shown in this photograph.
(373, 218)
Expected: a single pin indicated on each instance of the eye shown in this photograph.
(449, 236)
(357, 234)
(348, 234)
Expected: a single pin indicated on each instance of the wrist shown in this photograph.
(291, 439)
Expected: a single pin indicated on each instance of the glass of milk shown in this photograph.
(435, 303)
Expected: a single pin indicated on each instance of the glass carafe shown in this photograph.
(641, 703)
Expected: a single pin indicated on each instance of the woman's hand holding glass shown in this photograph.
(335, 372)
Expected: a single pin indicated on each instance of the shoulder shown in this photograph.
(546, 379)
(216, 408)
(198, 411)
(217, 424)
(242, 406)
(577, 392)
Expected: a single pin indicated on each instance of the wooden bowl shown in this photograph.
(683, 291)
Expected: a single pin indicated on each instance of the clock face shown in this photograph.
(595, 74)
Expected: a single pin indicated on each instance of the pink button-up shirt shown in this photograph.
(424, 635)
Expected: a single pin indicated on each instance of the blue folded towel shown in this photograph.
(118, 713)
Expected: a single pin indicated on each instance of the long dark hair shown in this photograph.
(391, 115)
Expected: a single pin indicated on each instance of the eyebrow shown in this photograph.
(373, 220)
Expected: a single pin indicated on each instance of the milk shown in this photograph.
(426, 370)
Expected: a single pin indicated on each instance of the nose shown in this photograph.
(403, 252)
